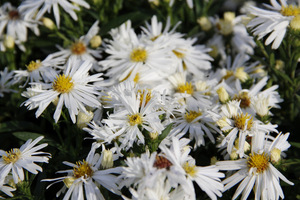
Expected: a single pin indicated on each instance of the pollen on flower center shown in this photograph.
(82, 169)
(243, 122)
(78, 48)
(135, 119)
(13, 15)
(161, 162)
(63, 84)
(244, 98)
(178, 54)
(11, 156)
(190, 169)
(33, 65)
(191, 115)
(138, 55)
(258, 161)
(187, 87)
(290, 10)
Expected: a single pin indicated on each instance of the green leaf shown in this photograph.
(12, 126)
(164, 133)
(295, 144)
(26, 135)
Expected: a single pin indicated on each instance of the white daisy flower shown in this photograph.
(25, 157)
(233, 121)
(133, 54)
(183, 171)
(72, 88)
(189, 92)
(6, 80)
(136, 110)
(15, 23)
(274, 21)
(37, 8)
(254, 172)
(40, 70)
(196, 123)
(80, 49)
(83, 181)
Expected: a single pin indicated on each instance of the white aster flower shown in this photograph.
(37, 8)
(128, 54)
(182, 170)
(80, 49)
(196, 123)
(136, 110)
(25, 157)
(238, 124)
(254, 172)
(72, 88)
(6, 80)
(83, 181)
(274, 21)
(15, 23)
(40, 70)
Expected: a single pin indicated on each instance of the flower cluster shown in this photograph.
(150, 101)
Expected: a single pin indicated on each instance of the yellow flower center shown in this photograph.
(241, 121)
(162, 163)
(78, 48)
(14, 15)
(241, 74)
(63, 84)
(11, 156)
(191, 115)
(290, 10)
(82, 169)
(69, 181)
(178, 54)
(138, 55)
(244, 98)
(258, 161)
(190, 169)
(33, 65)
(295, 23)
(186, 88)
(135, 119)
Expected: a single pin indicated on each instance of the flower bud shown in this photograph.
(84, 118)
(9, 42)
(96, 41)
(107, 160)
(223, 95)
(48, 23)
(204, 23)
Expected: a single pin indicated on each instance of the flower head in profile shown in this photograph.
(274, 21)
(72, 88)
(25, 157)
(83, 181)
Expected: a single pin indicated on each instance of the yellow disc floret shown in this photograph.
(244, 98)
(243, 122)
(78, 48)
(186, 88)
(191, 115)
(290, 10)
(190, 169)
(135, 119)
(83, 169)
(138, 55)
(11, 156)
(63, 84)
(258, 161)
(33, 65)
